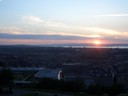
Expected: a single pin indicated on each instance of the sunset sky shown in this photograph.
(63, 21)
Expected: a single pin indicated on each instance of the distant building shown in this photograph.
(73, 71)
(89, 73)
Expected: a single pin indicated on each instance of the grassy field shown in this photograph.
(46, 94)
(36, 93)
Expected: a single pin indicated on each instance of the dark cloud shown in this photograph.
(56, 39)
(41, 37)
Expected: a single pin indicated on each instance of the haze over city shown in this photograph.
(63, 47)
(37, 22)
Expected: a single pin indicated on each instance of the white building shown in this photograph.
(48, 73)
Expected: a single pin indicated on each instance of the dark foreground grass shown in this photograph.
(41, 93)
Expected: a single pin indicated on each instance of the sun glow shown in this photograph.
(97, 42)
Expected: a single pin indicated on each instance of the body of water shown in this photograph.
(120, 47)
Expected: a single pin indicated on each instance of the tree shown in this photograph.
(95, 89)
(6, 78)
(73, 85)
(116, 89)
(48, 83)
(2, 63)
(61, 85)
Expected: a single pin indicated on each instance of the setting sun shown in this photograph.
(97, 42)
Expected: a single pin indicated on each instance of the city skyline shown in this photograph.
(69, 21)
